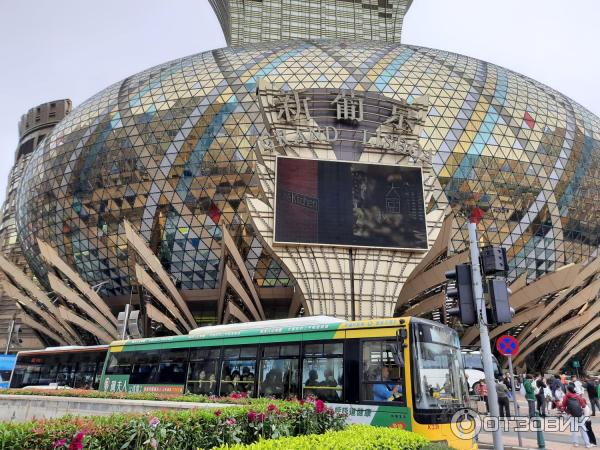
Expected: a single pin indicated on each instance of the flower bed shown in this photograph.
(355, 437)
(237, 399)
(192, 429)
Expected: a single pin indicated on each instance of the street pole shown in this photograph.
(11, 328)
(514, 395)
(352, 304)
(484, 337)
(127, 309)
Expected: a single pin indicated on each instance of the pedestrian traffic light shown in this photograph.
(501, 310)
(462, 292)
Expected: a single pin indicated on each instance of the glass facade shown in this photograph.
(172, 150)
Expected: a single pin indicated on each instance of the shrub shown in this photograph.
(236, 399)
(191, 429)
(355, 437)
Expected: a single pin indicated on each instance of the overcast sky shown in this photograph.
(74, 48)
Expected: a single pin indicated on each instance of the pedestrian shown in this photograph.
(540, 385)
(555, 386)
(503, 402)
(592, 389)
(578, 385)
(507, 383)
(482, 392)
(573, 405)
(530, 394)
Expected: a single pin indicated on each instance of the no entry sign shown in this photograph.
(507, 345)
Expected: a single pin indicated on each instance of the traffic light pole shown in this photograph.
(10, 333)
(484, 337)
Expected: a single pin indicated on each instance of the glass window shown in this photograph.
(238, 370)
(202, 373)
(144, 367)
(382, 372)
(279, 371)
(323, 369)
(440, 378)
(173, 366)
(119, 363)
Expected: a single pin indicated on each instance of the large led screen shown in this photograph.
(349, 204)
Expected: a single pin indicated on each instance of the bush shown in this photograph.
(191, 429)
(355, 437)
(238, 399)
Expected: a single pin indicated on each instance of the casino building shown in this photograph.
(317, 165)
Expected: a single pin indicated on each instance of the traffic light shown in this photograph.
(493, 260)
(462, 292)
(501, 310)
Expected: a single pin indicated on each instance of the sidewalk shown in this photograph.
(553, 440)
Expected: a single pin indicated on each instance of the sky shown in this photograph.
(74, 48)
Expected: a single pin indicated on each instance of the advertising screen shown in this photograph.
(349, 204)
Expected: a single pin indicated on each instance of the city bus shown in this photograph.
(59, 367)
(7, 364)
(401, 372)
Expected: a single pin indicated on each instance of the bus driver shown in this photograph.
(386, 392)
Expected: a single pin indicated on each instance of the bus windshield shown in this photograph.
(439, 380)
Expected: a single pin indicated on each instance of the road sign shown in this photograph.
(507, 345)
(576, 364)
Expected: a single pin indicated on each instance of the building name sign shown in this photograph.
(346, 120)
(329, 134)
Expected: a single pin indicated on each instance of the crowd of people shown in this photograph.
(552, 395)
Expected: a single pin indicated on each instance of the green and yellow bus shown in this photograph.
(400, 372)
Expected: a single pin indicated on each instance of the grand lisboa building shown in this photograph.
(166, 190)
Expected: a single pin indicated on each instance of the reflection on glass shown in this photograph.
(278, 378)
(440, 380)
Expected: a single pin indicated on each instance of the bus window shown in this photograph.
(202, 373)
(238, 362)
(144, 367)
(439, 375)
(382, 372)
(172, 367)
(322, 374)
(279, 371)
(48, 371)
(119, 363)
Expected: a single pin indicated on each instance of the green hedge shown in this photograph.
(355, 437)
(236, 399)
(191, 429)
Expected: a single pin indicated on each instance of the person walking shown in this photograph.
(578, 386)
(573, 405)
(482, 392)
(540, 385)
(592, 390)
(503, 403)
(506, 382)
(529, 394)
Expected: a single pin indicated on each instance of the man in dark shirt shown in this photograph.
(592, 389)
(503, 403)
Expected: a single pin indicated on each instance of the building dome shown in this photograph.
(171, 150)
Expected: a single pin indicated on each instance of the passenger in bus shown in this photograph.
(250, 383)
(236, 381)
(226, 386)
(386, 392)
(212, 385)
(202, 382)
(311, 384)
(273, 383)
(328, 388)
